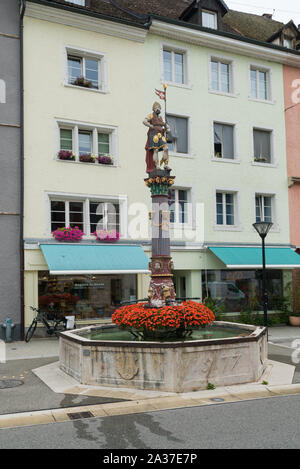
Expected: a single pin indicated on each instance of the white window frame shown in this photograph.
(189, 135)
(274, 199)
(86, 199)
(236, 202)
(268, 71)
(236, 158)
(232, 87)
(95, 129)
(212, 13)
(186, 64)
(86, 54)
(190, 208)
(273, 163)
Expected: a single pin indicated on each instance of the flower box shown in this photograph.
(105, 159)
(66, 155)
(68, 234)
(81, 81)
(87, 158)
(107, 236)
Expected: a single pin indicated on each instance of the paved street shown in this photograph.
(265, 423)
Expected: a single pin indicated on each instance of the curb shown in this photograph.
(180, 401)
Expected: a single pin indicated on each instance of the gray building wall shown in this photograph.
(10, 291)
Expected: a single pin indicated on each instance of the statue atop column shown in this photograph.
(157, 137)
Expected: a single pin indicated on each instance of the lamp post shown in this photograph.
(263, 229)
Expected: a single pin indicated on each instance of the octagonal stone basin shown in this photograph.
(226, 354)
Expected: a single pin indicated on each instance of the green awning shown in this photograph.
(248, 257)
(83, 259)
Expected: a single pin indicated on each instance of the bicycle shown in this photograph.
(58, 324)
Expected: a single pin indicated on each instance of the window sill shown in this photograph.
(222, 93)
(178, 85)
(226, 160)
(90, 164)
(227, 228)
(180, 155)
(263, 101)
(264, 165)
(67, 85)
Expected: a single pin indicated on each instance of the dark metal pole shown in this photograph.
(264, 285)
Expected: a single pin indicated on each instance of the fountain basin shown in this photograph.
(176, 366)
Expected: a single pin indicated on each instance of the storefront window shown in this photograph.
(239, 290)
(85, 296)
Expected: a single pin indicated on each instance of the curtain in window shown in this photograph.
(262, 145)
(179, 134)
(223, 135)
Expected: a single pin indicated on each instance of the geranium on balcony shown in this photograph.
(87, 158)
(105, 159)
(66, 155)
(68, 234)
(162, 323)
(104, 235)
(81, 81)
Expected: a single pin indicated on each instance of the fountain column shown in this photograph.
(161, 290)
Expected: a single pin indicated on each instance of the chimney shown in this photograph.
(268, 15)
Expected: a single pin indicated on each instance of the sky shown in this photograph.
(284, 10)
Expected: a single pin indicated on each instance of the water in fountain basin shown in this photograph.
(212, 332)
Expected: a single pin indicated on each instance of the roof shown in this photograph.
(140, 9)
(252, 26)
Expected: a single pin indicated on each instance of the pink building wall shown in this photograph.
(292, 119)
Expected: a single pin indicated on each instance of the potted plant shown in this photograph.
(66, 155)
(105, 159)
(260, 159)
(81, 81)
(294, 319)
(68, 234)
(87, 158)
(104, 235)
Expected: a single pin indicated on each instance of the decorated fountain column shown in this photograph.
(161, 288)
(159, 181)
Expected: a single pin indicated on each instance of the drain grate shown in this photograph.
(80, 415)
(10, 383)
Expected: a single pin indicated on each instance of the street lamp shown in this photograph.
(263, 229)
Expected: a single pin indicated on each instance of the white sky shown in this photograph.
(284, 10)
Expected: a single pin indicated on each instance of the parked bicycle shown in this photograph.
(53, 323)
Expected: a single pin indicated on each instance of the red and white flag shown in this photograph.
(161, 94)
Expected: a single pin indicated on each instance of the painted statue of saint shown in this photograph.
(157, 140)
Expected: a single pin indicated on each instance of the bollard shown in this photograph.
(8, 326)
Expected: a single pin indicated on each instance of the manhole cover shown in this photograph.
(217, 399)
(10, 383)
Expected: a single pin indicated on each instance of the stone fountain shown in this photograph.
(105, 355)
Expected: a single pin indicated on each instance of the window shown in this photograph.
(260, 87)
(77, 2)
(225, 208)
(209, 19)
(66, 213)
(88, 214)
(174, 66)
(221, 76)
(262, 146)
(83, 72)
(78, 142)
(104, 216)
(179, 206)
(223, 141)
(263, 207)
(287, 43)
(178, 135)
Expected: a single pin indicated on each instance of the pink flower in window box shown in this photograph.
(104, 235)
(68, 234)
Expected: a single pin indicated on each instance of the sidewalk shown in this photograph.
(284, 335)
